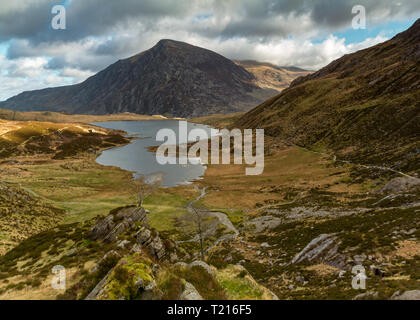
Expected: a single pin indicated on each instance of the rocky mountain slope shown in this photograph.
(172, 78)
(271, 76)
(119, 257)
(364, 106)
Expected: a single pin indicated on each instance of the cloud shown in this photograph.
(101, 32)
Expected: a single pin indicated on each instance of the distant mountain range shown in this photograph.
(173, 78)
(364, 106)
(271, 76)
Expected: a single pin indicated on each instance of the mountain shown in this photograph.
(364, 106)
(172, 78)
(271, 76)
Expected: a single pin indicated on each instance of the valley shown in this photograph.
(340, 189)
(271, 218)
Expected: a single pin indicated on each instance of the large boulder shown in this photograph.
(323, 248)
(407, 295)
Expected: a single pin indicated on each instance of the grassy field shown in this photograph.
(288, 172)
(58, 117)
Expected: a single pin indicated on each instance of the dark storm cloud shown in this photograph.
(266, 18)
(263, 18)
(84, 17)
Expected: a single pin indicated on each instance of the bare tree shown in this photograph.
(142, 187)
(198, 219)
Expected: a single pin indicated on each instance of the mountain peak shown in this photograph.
(173, 78)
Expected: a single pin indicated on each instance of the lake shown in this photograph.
(136, 157)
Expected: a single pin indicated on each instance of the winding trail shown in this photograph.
(334, 159)
(222, 217)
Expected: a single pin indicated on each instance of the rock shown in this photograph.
(116, 231)
(139, 283)
(108, 229)
(71, 252)
(153, 243)
(123, 243)
(359, 259)
(228, 258)
(202, 264)
(265, 245)
(182, 264)
(157, 248)
(291, 287)
(399, 184)
(407, 295)
(190, 293)
(109, 254)
(143, 236)
(300, 279)
(366, 296)
(99, 288)
(173, 257)
(323, 249)
(263, 223)
(136, 248)
(102, 228)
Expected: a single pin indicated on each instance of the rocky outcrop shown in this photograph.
(99, 288)
(323, 248)
(120, 221)
(399, 184)
(109, 228)
(151, 241)
(263, 223)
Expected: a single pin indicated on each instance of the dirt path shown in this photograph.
(334, 159)
(222, 217)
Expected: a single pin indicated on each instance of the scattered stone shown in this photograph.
(265, 245)
(71, 252)
(399, 184)
(367, 296)
(123, 243)
(190, 293)
(263, 223)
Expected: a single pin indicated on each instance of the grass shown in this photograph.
(84, 193)
(288, 169)
(167, 205)
(239, 286)
(59, 117)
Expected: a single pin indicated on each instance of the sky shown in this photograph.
(304, 33)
